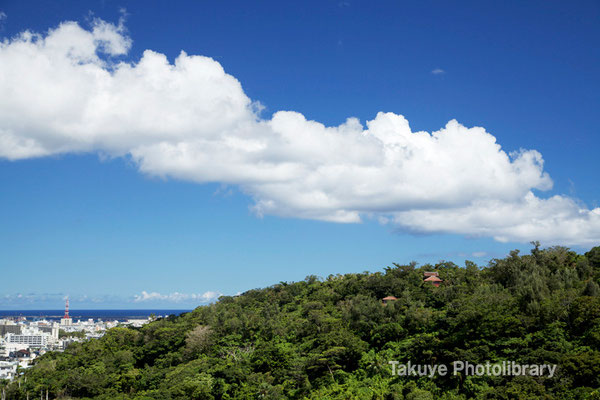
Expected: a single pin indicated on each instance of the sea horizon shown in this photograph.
(100, 313)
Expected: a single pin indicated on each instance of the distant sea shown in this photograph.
(105, 315)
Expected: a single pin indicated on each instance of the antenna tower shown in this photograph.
(67, 309)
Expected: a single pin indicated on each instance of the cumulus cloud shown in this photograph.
(557, 219)
(188, 119)
(53, 299)
(29, 298)
(176, 297)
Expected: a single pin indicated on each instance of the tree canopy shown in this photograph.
(332, 338)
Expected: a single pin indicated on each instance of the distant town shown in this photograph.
(24, 339)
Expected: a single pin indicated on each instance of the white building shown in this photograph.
(8, 370)
(38, 340)
(30, 337)
(136, 322)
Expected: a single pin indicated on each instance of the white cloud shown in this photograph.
(53, 299)
(558, 219)
(438, 71)
(190, 120)
(177, 297)
(29, 298)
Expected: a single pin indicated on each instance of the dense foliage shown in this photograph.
(332, 338)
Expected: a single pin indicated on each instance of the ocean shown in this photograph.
(105, 315)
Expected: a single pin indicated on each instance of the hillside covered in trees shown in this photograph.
(332, 338)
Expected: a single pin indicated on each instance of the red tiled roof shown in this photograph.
(390, 298)
(433, 278)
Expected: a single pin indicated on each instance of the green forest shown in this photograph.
(333, 338)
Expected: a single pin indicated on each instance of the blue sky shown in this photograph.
(94, 206)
